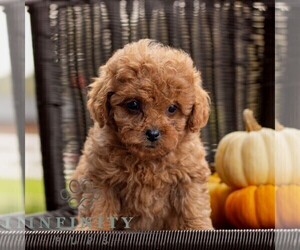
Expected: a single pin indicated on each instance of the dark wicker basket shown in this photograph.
(175, 240)
(232, 43)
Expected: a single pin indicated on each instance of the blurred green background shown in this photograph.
(11, 186)
(12, 198)
(34, 193)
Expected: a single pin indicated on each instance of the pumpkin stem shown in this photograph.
(278, 126)
(250, 121)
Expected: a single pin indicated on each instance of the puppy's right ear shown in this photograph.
(98, 98)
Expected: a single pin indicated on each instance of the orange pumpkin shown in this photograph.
(264, 206)
(288, 207)
(252, 207)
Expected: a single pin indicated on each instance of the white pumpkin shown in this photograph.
(287, 157)
(259, 155)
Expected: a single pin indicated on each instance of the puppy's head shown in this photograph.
(151, 96)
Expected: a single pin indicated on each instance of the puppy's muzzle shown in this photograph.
(152, 135)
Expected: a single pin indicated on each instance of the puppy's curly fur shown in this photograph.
(161, 183)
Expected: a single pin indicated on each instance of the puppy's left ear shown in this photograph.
(200, 111)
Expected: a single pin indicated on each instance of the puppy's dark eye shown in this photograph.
(133, 105)
(172, 109)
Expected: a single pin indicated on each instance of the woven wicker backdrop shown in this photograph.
(231, 42)
(226, 40)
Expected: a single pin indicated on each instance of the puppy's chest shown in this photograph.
(147, 188)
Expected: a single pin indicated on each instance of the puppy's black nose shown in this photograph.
(152, 135)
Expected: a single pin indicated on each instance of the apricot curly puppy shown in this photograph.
(144, 153)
